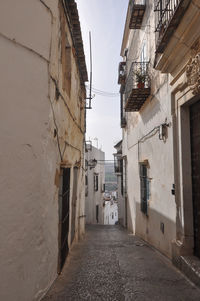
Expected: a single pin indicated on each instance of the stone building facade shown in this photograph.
(159, 78)
(42, 118)
(94, 184)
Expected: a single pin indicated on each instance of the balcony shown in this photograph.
(168, 17)
(137, 9)
(138, 86)
(122, 73)
(118, 163)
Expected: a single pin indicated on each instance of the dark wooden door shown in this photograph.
(64, 197)
(195, 158)
(74, 201)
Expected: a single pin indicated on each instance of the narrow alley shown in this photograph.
(110, 264)
(100, 150)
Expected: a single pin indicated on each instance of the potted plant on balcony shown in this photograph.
(140, 78)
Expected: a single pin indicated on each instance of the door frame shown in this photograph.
(61, 259)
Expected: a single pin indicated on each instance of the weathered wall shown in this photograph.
(93, 197)
(155, 111)
(30, 65)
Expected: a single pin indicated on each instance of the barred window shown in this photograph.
(144, 188)
(96, 183)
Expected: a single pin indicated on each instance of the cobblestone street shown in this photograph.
(110, 264)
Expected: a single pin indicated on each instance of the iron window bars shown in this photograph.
(164, 12)
(168, 16)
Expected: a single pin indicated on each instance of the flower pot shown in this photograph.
(140, 85)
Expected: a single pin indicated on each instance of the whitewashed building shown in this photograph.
(160, 109)
(110, 212)
(94, 184)
(42, 119)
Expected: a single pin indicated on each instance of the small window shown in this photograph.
(96, 182)
(86, 180)
(144, 187)
(97, 214)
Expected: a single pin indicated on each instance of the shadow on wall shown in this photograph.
(156, 229)
(153, 109)
(130, 224)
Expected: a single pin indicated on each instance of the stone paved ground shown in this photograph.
(111, 265)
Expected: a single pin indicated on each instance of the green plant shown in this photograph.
(140, 76)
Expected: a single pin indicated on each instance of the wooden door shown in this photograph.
(195, 159)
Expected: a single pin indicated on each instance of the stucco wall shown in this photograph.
(158, 153)
(30, 65)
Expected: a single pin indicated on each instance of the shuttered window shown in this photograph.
(144, 188)
(96, 183)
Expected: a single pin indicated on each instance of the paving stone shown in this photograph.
(111, 265)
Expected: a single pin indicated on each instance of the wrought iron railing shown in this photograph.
(137, 9)
(165, 10)
(122, 72)
(118, 163)
(138, 78)
(168, 16)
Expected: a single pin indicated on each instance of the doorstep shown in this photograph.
(190, 266)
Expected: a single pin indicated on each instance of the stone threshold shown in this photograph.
(190, 267)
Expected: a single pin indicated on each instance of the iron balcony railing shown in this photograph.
(122, 73)
(168, 15)
(137, 88)
(118, 163)
(137, 8)
(164, 12)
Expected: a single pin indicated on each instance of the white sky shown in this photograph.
(105, 19)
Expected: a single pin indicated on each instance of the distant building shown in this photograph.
(110, 177)
(94, 184)
(43, 74)
(110, 212)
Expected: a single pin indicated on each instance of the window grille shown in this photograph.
(168, 14)
(144, 187)
(96, 182)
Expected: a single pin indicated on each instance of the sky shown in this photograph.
(105, 19)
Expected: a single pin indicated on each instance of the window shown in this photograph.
(86, 180)
(143, 56)
(144, 187)
(97, 213)
(66, 56)
(96, 182)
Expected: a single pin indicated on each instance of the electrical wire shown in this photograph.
(103, 93)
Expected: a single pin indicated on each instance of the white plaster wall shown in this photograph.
(29, 156)
(155, 111)
(95, 197)
(28, 220)
(21, 21)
